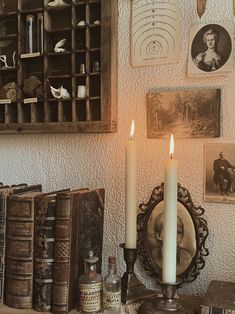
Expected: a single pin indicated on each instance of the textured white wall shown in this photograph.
(91, 160)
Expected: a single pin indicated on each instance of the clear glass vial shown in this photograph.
(112, 289)
(30, 29)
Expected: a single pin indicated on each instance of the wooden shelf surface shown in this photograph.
(8, 310)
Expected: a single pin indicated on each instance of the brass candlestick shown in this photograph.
(167, 303)
(132, 289)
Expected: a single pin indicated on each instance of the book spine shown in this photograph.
(19, 252)
(45, 210)
(3, 196)
(63, 299)
(90, 221)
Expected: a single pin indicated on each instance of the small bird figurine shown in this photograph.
(60, 93)
(59, 45)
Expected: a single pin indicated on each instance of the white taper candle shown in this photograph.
(130, 214)
(170, 218)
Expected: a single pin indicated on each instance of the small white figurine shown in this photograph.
(3, 58)
(81, 23)
(59, 45)
(60, 93)
(57, 3)
(97, 22)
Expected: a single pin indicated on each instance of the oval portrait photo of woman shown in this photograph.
(211, 48)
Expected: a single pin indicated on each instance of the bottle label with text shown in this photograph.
(112, 300)
(90, 297)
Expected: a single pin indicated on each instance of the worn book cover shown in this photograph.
(20, 249)
(79, 229)
(5, 190)
(90, 226)
(45, 212)
(219, 298)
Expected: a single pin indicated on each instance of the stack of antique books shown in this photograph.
(44, 238)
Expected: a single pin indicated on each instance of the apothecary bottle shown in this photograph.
(112, 289)
(90, 287)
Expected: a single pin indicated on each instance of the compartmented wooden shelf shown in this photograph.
(57, 66)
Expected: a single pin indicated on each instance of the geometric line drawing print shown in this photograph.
(155, 32)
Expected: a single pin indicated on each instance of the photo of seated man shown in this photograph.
(222, 174)
(219, 172)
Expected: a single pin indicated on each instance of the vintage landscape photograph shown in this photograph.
(189, 113)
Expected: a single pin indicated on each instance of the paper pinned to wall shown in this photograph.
(201, 7)
(211, 49)
(155, 32)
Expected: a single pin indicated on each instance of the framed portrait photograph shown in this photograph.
(219, 173)
(211, 48)
(191, 234)
(186, 237)
(187, 113)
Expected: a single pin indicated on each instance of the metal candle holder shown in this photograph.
(167, 303)
(132, 289)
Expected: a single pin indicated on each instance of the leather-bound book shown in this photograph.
(219, 298)
(65, 258)
(5, 190)
(45, 211)
(65, 268)
(79, 229)
(90, 227)
(20, 249)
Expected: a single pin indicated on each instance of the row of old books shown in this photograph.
(44, 239)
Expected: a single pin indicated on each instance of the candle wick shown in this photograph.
(171, 156)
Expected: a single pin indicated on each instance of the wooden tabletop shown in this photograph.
(191, 305)
(192, 302)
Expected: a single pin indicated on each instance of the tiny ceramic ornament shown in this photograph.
(57, 3)
(60, 93)
(201, 7)
(59, 46)
(3, 58)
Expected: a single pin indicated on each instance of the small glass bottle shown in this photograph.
(40, 32)
(90, 287)
(112, 289)
(30, 21)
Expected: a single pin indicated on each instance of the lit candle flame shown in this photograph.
(132, 130)
(171, 146)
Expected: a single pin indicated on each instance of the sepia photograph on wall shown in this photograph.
(187, 113)
(219, 173)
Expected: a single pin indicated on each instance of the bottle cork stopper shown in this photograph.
(112, 259)
(29, 18)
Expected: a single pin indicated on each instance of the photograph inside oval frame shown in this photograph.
(192, 232)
